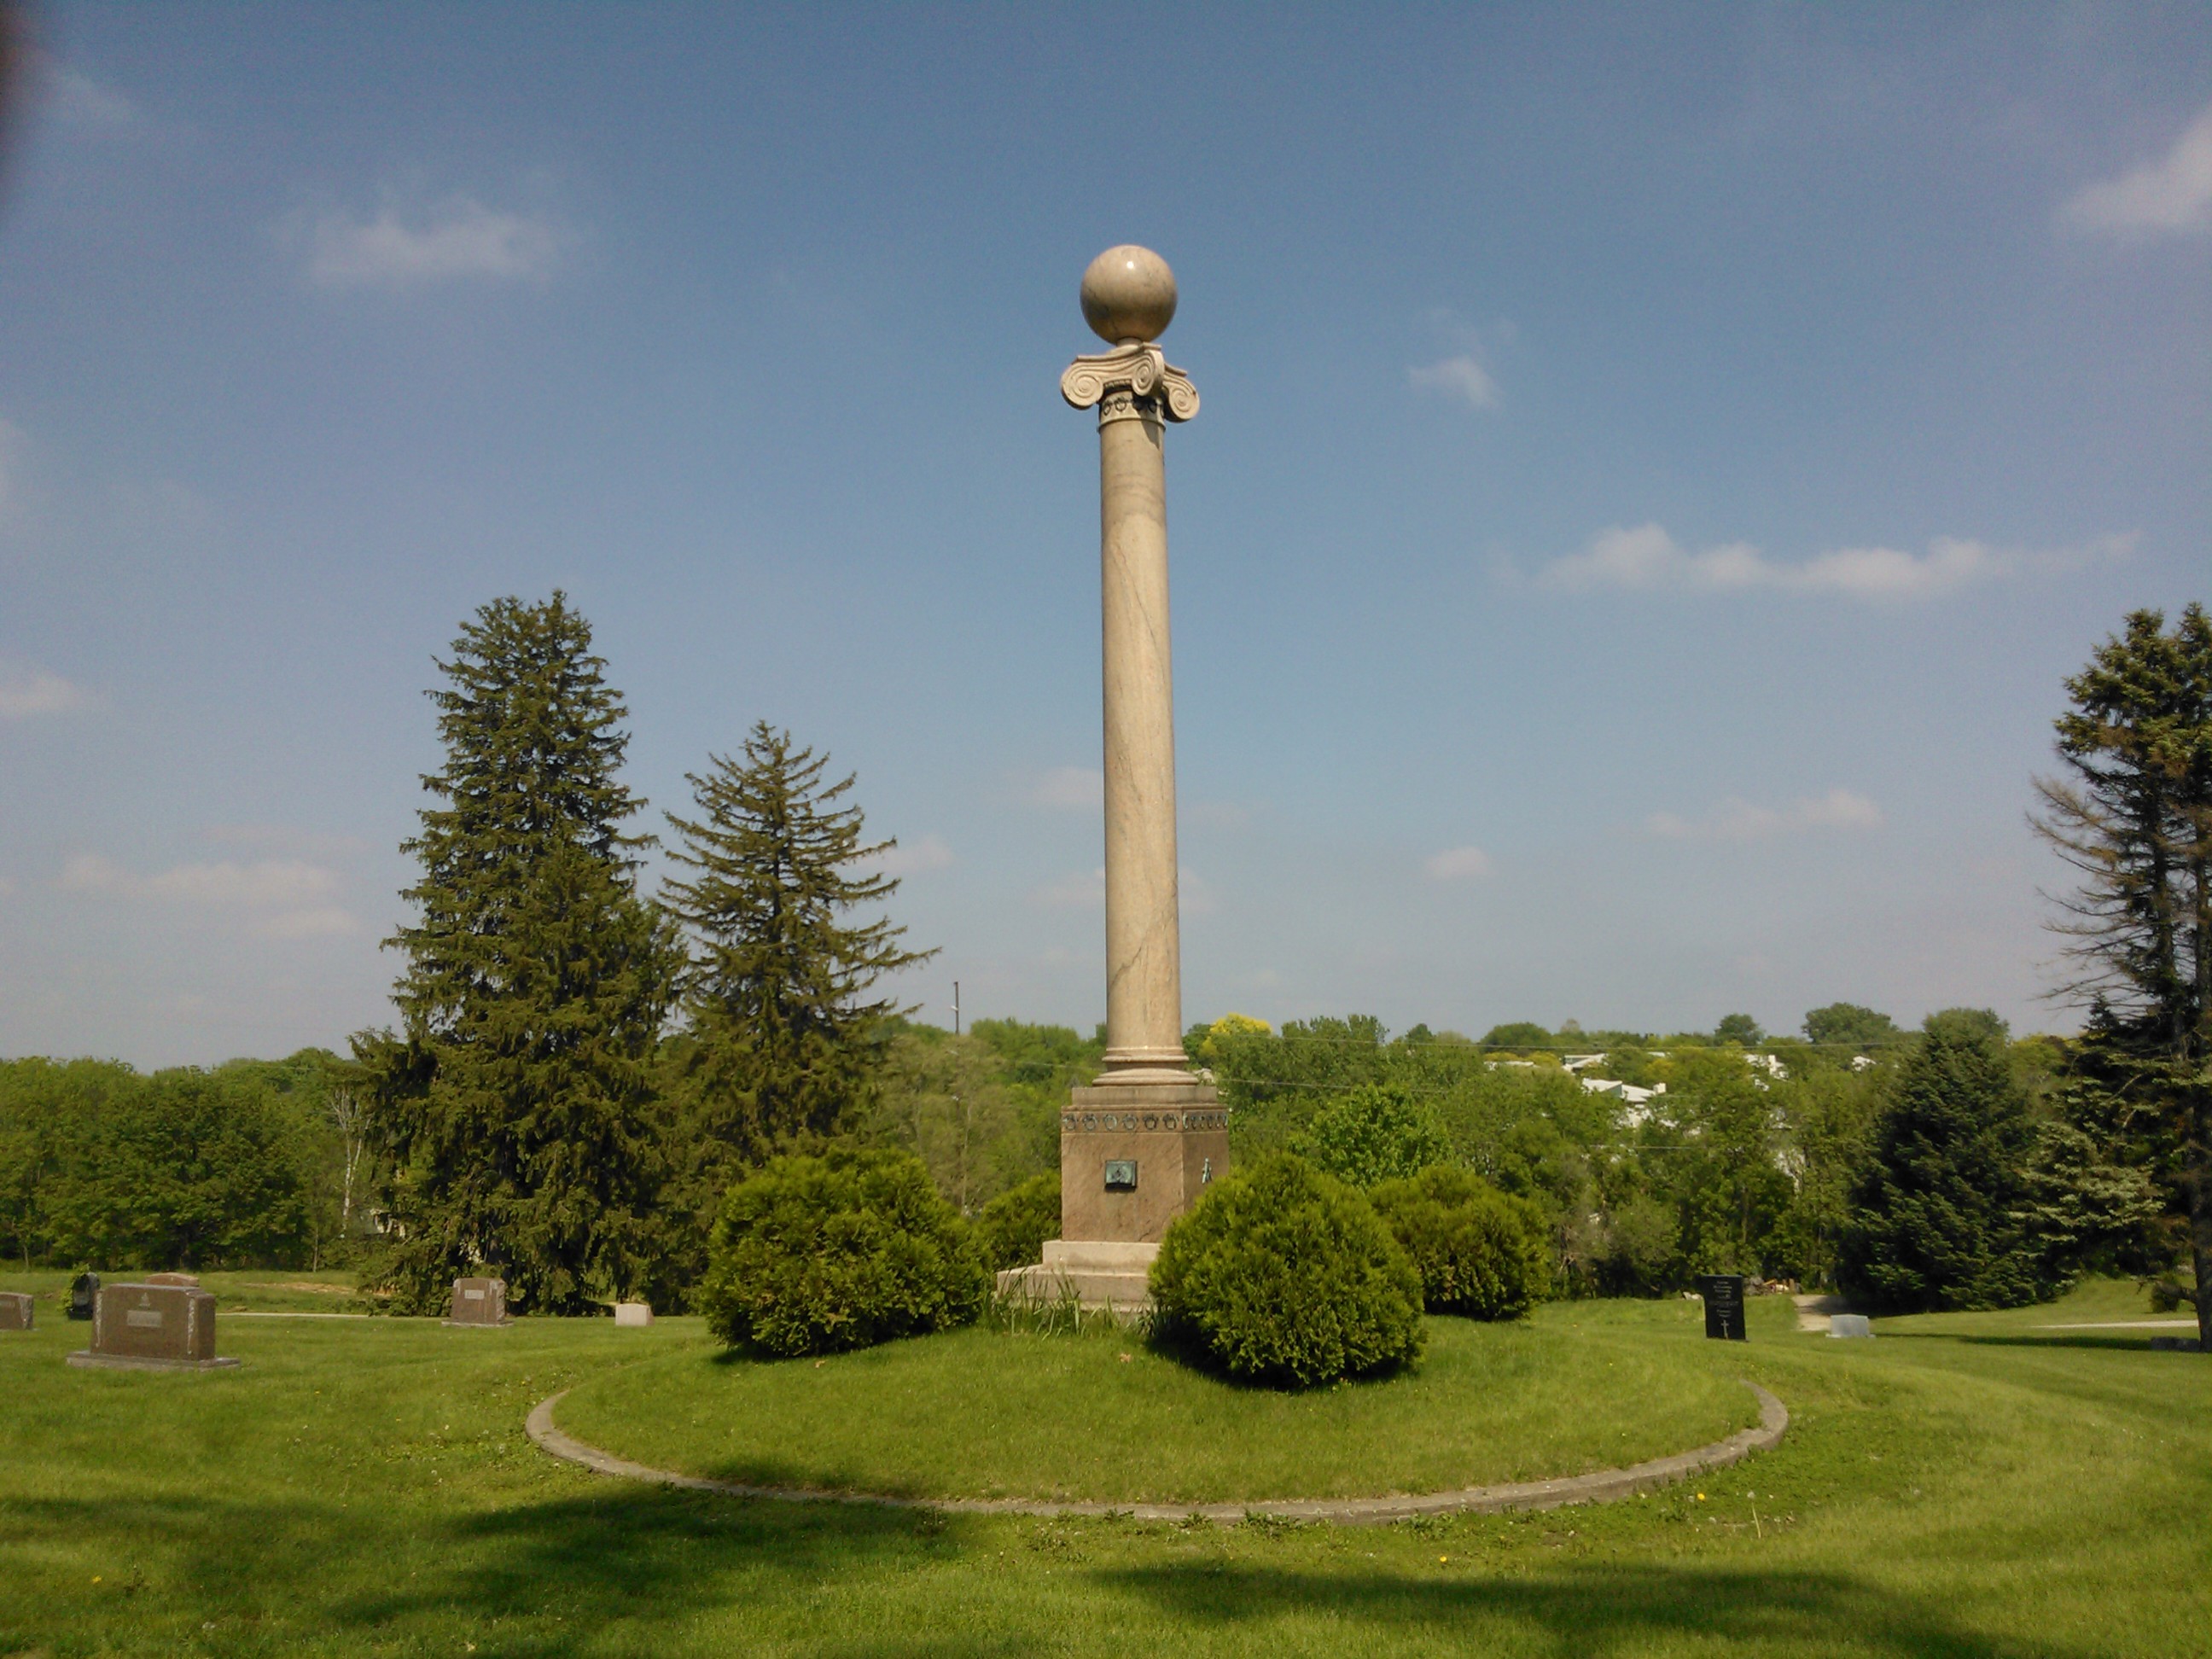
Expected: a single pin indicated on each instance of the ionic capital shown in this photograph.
(1141, 370)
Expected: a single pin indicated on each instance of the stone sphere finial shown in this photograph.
(1128, 294)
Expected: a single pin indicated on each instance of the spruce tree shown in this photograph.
(2132, 814)
(783, 1042)
(1938, 1221)
(514, 1114)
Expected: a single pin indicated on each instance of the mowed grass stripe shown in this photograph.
(988, 1414)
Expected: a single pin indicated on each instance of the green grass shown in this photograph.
(1963, 1486)
(984, 1413)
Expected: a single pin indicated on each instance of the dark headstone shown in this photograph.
(152, 1327)
(479, 1302)
(15, 1310)
(84, 1295)
(1724, 1295)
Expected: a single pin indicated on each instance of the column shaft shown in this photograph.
(1144, 974)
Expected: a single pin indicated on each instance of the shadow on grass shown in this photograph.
(2111, 1341)
(1592, 1610)
(621, 1564)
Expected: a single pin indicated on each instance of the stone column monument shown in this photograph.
(1137, 1146)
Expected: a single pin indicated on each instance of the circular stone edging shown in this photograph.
(1599, 1486)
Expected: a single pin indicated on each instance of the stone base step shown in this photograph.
(1100, 1276)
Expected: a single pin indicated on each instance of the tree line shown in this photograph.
(581, 1069)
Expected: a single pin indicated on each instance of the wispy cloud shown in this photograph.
(1458, 864)
(26, 692)
(284, 837)
(1647, 557)
(1068, 789)
(1072, 892)
(11, 466)
(457, 238)
(2172, 196)
(282, 898)
(76, 99)
(1735, 819)
(930, 852)
(1461, 376)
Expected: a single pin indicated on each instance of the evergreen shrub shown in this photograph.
(1479, 1253)
(819, 1255)
(1012, 1228)
(1286, 1276)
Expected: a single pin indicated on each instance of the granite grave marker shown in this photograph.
(1724, 1295)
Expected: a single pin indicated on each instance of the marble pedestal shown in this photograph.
(1133, 1157)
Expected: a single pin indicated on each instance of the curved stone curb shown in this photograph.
(1603, 1486)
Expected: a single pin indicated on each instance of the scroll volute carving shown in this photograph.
(1142, 369)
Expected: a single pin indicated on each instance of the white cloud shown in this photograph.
(1458, 864)
(930, 852)
(328, 922)
(283, 837)
(1069, 789)
(11, 453)
(1735, 819)
(1194, 894)
(460, 238)
(1074, 892)
(1225, 814)
(1647, 557)
(80, 101)
(1461, 376)
(2172, 196)
(26, 691)
(280, 898)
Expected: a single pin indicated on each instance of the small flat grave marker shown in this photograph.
(1724, 1295)
(15, 1310)
(164, 1327)
(479, 1302)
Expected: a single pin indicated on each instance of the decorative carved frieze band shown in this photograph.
(1142, 369)
(1119, 1122)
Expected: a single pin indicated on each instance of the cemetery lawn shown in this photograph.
(1969, 1486)
(1100, 1416)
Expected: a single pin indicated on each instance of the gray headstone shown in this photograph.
(632, 1313)
(479, 1302)
(1850, 1325)
(152, 1327)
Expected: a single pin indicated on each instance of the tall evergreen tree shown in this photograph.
(513, 1114)
(2132, 814)
(1938, 1209)
(783, 1041)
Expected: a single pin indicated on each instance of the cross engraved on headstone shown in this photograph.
(1724, 1295)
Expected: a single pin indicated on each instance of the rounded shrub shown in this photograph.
(1479, 1251)
(816, 1254)
(1012, 1228)
(1285, 1275)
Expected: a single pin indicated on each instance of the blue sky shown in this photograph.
(1656, 466)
